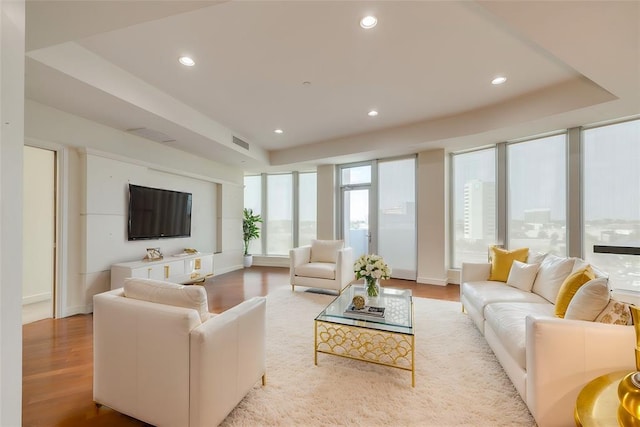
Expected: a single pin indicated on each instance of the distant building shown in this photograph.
(537, 216)
(480, 210)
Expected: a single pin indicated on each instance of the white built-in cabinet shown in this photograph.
(177, 269)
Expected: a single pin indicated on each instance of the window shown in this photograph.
(307, 212)
(397, 215)
(611, 190)
(474, 205)
(276, 205)
(253, 200)
(279, 214)
(536, 200)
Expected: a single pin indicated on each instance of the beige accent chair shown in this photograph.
(324, 264)
(161, 357)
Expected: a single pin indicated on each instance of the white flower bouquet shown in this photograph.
(372, 268)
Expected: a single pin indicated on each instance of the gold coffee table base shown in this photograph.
(391, 349)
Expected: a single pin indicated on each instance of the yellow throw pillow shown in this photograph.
(501, 260)
(569, 288)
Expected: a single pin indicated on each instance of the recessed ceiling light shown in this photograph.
(186, 61)
(368, 22)
(372, 113)
(498, 80)
(278, 131)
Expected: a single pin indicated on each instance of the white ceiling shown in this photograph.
(426, 68)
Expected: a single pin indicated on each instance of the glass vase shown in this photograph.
(372, 287)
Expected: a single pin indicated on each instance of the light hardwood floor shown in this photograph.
(58, 356)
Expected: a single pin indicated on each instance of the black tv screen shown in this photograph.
(155, 213)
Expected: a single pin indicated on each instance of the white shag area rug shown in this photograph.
(459, 382)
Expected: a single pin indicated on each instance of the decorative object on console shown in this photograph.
(153, 254)
(372, 268)
(250, 231)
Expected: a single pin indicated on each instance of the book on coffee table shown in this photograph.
(368, 311)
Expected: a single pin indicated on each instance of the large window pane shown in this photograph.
(356, 175)
(611, 178)
(474, 205)
(397, 216)
(307, 211)
(279, 214)
(536, 200)
(253, 200)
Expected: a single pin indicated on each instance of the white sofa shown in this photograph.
(548, 359)
(324, 264)
(160, 357)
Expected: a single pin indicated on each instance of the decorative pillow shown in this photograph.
(551, 275)
(168, 293)
(569, 287)
(589, 301)
(325, 250)
(522, 275)
(616, 313)
(579, 264)
(535, 257)
(501, 260)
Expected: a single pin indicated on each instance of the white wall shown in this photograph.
(326, 217)
(100, 163)
(12, 25)
(38, 234)
(105, 214)
(432, 217)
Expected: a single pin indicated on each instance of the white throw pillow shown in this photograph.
(551, 274)
(325, 250)
(579, 264)
(589, 301)
(535, 257)
(192, 296)
(522, 275)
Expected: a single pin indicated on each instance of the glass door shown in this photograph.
(356, 219)
(355, 225)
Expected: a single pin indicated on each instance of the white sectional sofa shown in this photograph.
(549, 359)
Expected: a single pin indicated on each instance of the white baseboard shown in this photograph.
(32, 299)
(431, 281)
(271, 261)
(78, 309)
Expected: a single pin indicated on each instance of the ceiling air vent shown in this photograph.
(240, 143)
(151, 134)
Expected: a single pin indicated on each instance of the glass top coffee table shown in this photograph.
(388, 341)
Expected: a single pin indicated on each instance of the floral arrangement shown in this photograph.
(372, 268)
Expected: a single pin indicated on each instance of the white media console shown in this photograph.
(185, 269)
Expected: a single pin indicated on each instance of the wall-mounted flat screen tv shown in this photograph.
(156, 214)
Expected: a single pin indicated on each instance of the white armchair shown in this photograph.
(325, 264)
(160, 357)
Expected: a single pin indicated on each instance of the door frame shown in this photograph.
(373, 201)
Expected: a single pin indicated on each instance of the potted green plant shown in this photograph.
(250, 231)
